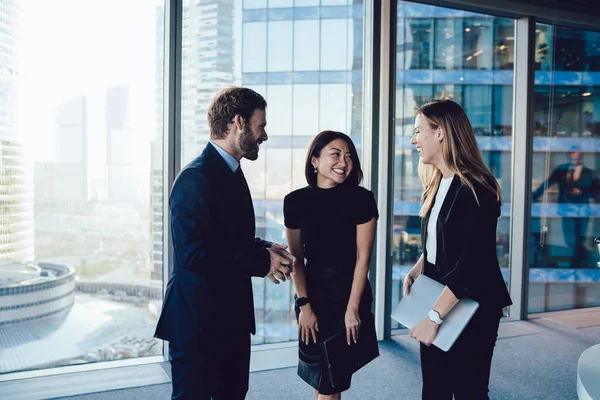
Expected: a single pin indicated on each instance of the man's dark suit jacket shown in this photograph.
(586, 183)
(215, 254)
(466, 258)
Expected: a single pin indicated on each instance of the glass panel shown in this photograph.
(564, 260)
(255, 4)
(310, 72)
(280, 46)
(504, 44)
(488, 105)
(478, 44)
(334, 107)
(334, 2)
(448, 51)
(419, 38)
(279, 100)
(281, 3)
(306, 54)
(334, 46)
(305, 104)
(80, 141)
(254, 51)
(305, 3)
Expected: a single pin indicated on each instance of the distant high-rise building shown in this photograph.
(208, 60)
(16, 208)
(156, 157)
(62, 185)
(121, 186)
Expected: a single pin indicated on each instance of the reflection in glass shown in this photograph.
(448, 50)
(564, 270)
(504, 44)
(477, 45)
(419, 37)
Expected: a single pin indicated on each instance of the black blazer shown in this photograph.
(466, 258)
(215, 254)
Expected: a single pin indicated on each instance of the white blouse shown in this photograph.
(431, 241)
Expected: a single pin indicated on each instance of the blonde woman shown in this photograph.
(461, 206)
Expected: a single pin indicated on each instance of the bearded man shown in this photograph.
(208, 311)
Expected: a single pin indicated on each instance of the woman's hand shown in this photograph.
(409, 279)
(425, 331)
(308, 326)
(352, 320)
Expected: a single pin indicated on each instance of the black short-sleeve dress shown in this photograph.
(328, 219)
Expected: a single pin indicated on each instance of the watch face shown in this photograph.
(434, 316)
(301, 301)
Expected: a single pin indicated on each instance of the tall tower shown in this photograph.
(208, 60)
(16, 207)
(120, 178)
(156, 155)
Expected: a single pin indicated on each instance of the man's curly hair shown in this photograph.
(228, 103)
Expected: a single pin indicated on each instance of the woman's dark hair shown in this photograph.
(322, 140)
(228, 103)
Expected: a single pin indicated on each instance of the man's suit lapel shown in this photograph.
(231, 189)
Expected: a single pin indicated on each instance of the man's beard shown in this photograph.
(248, 144)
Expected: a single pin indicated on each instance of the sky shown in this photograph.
(71, 48)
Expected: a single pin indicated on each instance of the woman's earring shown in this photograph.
(315, 170)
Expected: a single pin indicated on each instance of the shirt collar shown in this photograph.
(229, 159)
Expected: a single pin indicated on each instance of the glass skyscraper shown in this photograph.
(16, 206)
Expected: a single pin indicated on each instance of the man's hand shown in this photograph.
(281, 263)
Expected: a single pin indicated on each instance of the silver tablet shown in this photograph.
(424, 292)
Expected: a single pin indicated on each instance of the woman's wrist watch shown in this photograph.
(302, 301)
(434, 317)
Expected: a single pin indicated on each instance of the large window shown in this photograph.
(564, 213)
(468, 52)
(80, 182)
(306, 60)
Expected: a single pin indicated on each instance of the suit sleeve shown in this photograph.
(258, 242)
(192, 203)
(474, 239)
(552, 179)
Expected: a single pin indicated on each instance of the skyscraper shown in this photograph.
(156, 155)
(208, 63)
(120, 179)
(62, 185)
(16, 208)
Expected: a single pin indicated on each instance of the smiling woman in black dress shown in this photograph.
(331, 225)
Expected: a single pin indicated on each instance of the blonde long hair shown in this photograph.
(459, 150)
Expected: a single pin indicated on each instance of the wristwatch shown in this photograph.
(302, 301)
(434, 316)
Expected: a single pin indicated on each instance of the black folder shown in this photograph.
(342, 360)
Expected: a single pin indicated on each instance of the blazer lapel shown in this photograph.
(448, 200)
(236, 191)
(444, 211)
